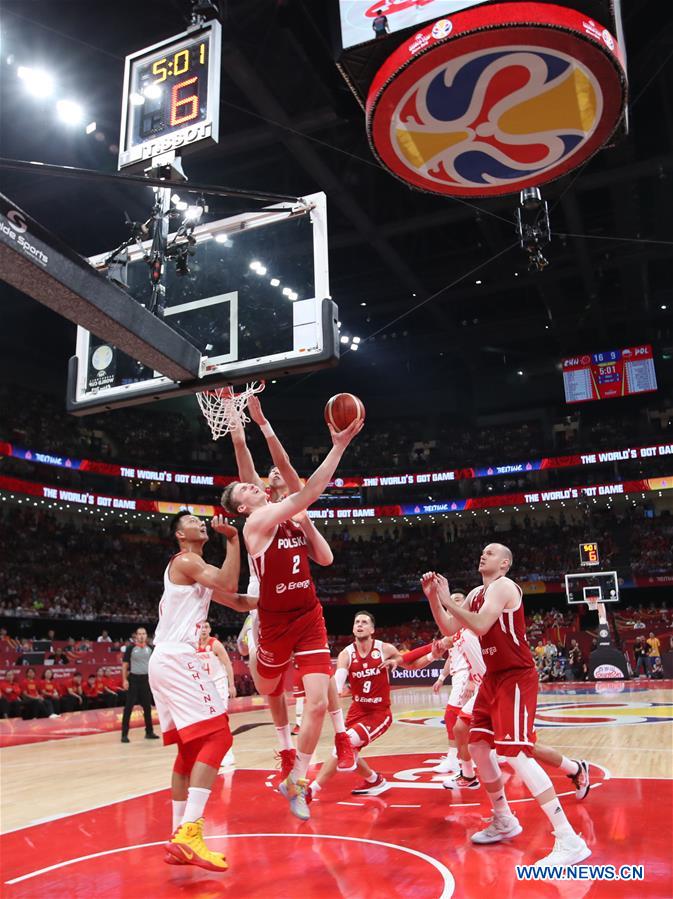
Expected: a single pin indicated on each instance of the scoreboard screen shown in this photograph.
(614, 373)
(357, 16)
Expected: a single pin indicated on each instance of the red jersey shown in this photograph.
(31, 688)
(10, 690)
(91, 690)
(504, 646)
(368, 681)
(286, 587)
(49, 688)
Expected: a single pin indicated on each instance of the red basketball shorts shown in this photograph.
(304, 637)
(368, 723)
(504, 711)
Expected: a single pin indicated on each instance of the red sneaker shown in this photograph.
(344, 751)
(295, 731)
(287, 760)
(380, 785)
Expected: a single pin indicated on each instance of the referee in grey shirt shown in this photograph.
(135, 662)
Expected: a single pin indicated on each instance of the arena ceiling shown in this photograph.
(289, 124)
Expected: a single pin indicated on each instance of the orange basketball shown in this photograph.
(343, 409)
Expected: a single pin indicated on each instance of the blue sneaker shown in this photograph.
(296, 792)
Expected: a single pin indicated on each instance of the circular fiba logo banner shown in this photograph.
(464, 111)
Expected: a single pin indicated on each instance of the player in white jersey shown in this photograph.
(191, 712)
(216, 663)
(466, 667)
(283, 480)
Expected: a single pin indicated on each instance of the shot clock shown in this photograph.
(171, 95)
(589, 554)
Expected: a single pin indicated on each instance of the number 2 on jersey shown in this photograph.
(296, 560)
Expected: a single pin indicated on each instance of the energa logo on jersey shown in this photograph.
(293, 585)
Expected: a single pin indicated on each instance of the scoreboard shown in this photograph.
(589, 554)
(614, 373)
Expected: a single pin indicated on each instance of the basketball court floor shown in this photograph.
(84, 815)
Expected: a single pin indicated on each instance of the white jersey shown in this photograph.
(465, 655)
(182, 610)
(211, 663)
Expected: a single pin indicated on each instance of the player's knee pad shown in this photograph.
(531, 773)
(450, 718)
(214, 747)
(355, 738)
(485, 759)
(184, 760)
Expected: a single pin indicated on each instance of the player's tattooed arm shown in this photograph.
(278, 454)
(499, 595)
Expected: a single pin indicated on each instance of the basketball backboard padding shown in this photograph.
(40, 265)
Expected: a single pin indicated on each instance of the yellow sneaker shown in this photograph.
(187, 847)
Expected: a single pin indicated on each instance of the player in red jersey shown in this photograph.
(283, 480)
(365, 665)
(280, 539)
(504, 711)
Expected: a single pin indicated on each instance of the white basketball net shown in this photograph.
(224, 409)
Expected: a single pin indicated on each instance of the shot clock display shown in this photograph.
(589, 554)
(171, 95)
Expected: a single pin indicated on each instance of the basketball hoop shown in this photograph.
(224, 409)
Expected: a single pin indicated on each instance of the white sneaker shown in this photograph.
(227, 762)
(448, 765)
(581, 780)
(54, 715)
(568, 850)
(502, 827)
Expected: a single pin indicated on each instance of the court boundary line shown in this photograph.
(440, 867)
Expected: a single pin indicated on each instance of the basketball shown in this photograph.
(343, 409)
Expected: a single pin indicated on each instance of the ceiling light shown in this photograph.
(293, 296)
(354, 346)
(345, 339)
(175, 198)
(181, 205)
(193, 213)
(356, 340)
(363, 304)
(255, 264)
(37, 82)
(519, 372)
(664, 306)
(90, 128)
(286, 291)
(69, 111)
(261, 269)
(477, 282)
(274, 282)
(223, 238)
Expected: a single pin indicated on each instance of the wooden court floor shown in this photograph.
(94, 805)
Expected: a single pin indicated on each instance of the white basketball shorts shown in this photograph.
(188, 702)
(462, 688)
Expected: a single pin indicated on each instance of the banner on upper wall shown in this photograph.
(428, 478)
(122, 504)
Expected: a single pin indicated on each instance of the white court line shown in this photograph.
(404, 806)
(446, 875)
(357, 804)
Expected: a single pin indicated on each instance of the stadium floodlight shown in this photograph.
(274, 282)
(69, 112)
(37, 82)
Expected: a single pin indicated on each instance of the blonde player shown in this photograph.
(217, 664)
(283, 480)
(191, 711)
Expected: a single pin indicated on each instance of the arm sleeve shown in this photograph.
(340, 676)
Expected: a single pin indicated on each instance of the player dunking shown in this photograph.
(280, 539)
(191, 712)
(504, 711)
(283, 480)
(365, 665)
(217, 664)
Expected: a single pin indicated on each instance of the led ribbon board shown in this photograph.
(171, 95)
(496, 98)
